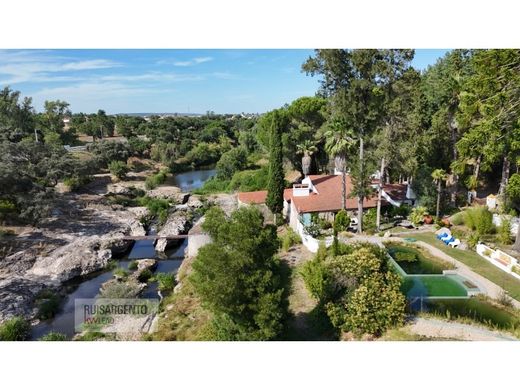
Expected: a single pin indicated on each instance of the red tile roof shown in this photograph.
(328, 198)
(255, 197)
(396, 191)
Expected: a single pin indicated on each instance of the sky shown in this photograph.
(160, 81)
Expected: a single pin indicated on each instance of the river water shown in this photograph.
(191, 180)
(88, 287)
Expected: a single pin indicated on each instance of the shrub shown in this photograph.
(6, 208)
(313, 229)
(121, 273)
(457, 219)
(341, 221)
(132, 265)
(48, 304)
(473, 240)
(112, 264)
(166, 281)
(144, 275)
(504, 232)
(15, 329)
(289, 239)
(117, 290)
(251, 180)
(417, 214)
(76, 182)
(156, 180)
(118, 168)
(157, 207)
(317, 278)
(480, 219)
(53, 336)
(369, 219)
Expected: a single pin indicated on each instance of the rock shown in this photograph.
(118, 189)
(117, 246)
(183, 197)
(143, 264)
(80, 257)
(177, 223)
(387, 234)
(443, 230)
(139, 212)
(194, 202)
(17, 296)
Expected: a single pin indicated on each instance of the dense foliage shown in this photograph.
(356, 289)
(238, 278)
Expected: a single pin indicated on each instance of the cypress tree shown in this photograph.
(276, 179)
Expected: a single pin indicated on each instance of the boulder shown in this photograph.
(80, 257)
(17, 296)
(177, 223)
(143, 264)
(194, 202)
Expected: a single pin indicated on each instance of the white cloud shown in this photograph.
(26, 66)
(193, 61)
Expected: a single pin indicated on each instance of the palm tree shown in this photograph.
(439, 175)
(307, 148)
(338, 140)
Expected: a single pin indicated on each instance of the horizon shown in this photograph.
(160, 81)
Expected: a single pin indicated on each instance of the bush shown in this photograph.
(473, 240)
(417, 214)
(230, 162)
(156, 180)
(48, 304)
(53, 336)
(76, 182)
(132, 265)
(317, 278)
(121, 273)
(504, 232)
(107, 151)
(157, 207)
(480, 219)
(15, 329)
(341, 221)
(6, 208)
(289, 239)
(118, 290)
(457, 219)
(252, 180)
(166, 281)
(118, 168)
(369, 219)
(144, 275)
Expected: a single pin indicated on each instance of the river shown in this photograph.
(191, 180)
(88, 287)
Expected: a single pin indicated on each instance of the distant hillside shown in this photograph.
(143, 114)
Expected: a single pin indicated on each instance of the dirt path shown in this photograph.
(436, 328)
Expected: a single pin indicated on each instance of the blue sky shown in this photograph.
(118, 81)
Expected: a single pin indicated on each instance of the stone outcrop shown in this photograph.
(177, 223)
(169, 192)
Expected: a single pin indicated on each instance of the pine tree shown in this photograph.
(276, 181)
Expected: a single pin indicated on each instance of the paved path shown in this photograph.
(488, 287)
(431, 327)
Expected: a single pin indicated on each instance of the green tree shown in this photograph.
(16, 117)
(276, 178)
(339, 138)
(230, 162)
(356, 81)
(238, 278)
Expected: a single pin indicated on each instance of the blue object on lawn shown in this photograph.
(443, 234)
(450, 240)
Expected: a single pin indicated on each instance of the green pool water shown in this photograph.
(424, 277)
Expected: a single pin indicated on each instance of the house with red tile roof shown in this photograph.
(322, 194)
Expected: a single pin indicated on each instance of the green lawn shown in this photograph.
(476, 263)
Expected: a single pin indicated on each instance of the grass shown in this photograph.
(307, 319)
(401, 334)
(476, 263)
(15, 329)
(475, 310)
